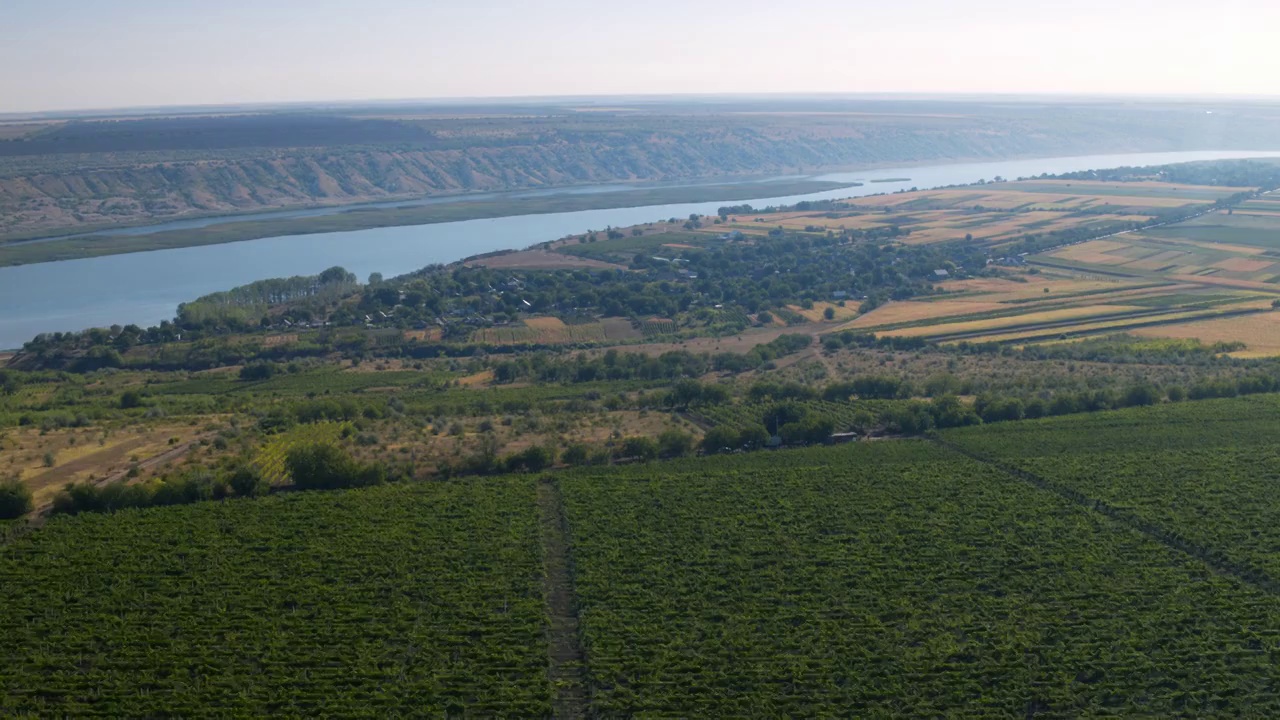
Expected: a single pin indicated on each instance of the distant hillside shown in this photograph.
(86, 174)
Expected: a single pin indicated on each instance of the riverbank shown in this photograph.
(368, 218)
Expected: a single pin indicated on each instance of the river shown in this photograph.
(144, 288)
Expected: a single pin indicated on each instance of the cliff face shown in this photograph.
(79, 179)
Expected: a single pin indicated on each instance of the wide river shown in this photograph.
(144, 288)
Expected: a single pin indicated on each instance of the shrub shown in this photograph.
(576, 454)
(246, 481)
(639, 447)
(721, 439)
(319, 466)
(257, 371)
(673, 443)
(15, 499)
(535, 459)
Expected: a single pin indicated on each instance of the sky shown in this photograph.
(79, 54)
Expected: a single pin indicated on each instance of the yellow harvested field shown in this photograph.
(83, 454)
(1118, 325)
(1099, 246)
(480, 379)
(1095, 252)
(426, 335)
(1223, 247)
(799, 222)
(816, 313)
(912, 311)
(1228, 282)
(925, 235)
(1260, 332)
(545, 323)
(1012, 321)
(1243, 265)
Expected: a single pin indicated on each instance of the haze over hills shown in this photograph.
(65, 175)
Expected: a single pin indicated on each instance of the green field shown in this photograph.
(400, 600)
(896, 579)
(1206, 476)
(1231, 229)
(1132, 576)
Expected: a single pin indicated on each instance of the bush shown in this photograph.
(641, 448)
(257, 371)
(15, 499)
(321, 466)
(130, 399)
(576, 454)
(673, 443)
(246, 481)
(720, 439)
(535, 459)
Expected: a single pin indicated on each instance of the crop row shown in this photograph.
(410, 600)
(1202, 472)
(895, 579)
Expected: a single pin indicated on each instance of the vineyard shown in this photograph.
(270, 458)
(1206, 477)
(399, 600)
(1118, 563)
(896, 579)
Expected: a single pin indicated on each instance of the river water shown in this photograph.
(144, 288)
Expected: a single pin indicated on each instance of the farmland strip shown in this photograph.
(1215, 559)
(568, 661)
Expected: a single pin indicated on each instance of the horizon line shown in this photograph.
(943, 96)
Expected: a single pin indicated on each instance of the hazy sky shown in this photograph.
(62, 54)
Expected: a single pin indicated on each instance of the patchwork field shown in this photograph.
(1208, 277)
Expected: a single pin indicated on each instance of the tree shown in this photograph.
(246, 481)
(576, 454)
(764, 318)
(336, 274)
(641, 448)
(15, 499)
(720, 439)
(829, 313)
(672, 443)
(534, 459)
(257, 371)
(753, 437)
(130, 399)
(324, 466)
(375, 278)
